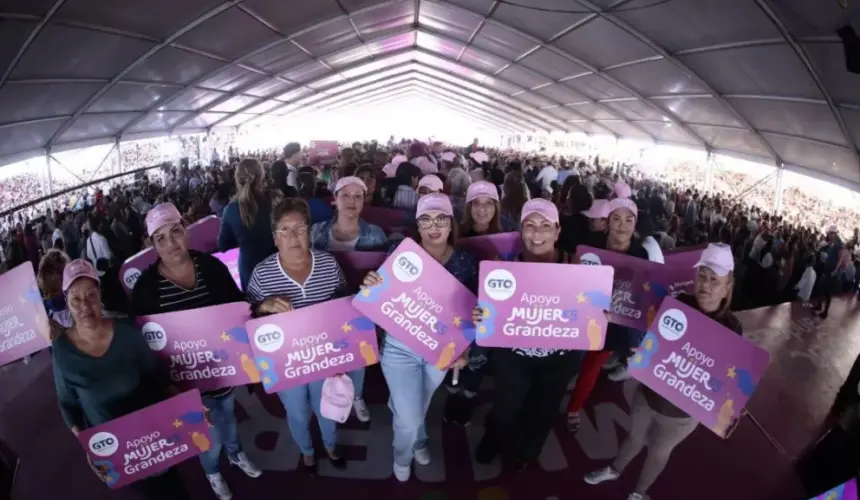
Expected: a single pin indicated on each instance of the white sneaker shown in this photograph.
(402, 473)
(637, 496)
(601, 475)
(422, 456)
(619, 375)
(248, 467)
(219, 486)
(362, 413)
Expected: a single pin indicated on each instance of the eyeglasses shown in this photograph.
(427, 222)
(542, 229)
(301, 230)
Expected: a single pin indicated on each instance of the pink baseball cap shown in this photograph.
(390, 170)
(397, 160)
(621, 190)
(78, 268)
(479, 156)
(599, 210)
(160, 216)
(542, 207)
(431, 182)
(338, 393)
(619, 203)
(832, 229)
(482, 189)
(426, 166)
(349, 180)
(718, 258)
(448, 156)
(434, 202)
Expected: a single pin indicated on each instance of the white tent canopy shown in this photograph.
(762, 79)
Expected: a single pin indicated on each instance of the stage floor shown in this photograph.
(810, 359)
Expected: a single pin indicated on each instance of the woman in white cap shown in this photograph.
(530, 383)
(411, 380)
(347, 232)
(655, 422)
(182, 279)
(103, 370)
(621, 214)
(430, 183)
(294, 277)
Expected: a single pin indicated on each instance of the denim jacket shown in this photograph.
(370, 237)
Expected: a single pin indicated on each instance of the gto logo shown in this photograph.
(155, 336)
(408, 267)
(589, 259)
(672, 325)
(130, 276)
(500, 284)
(103, 444)
(269, 337)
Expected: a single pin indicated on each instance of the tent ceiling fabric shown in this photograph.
(763, 79)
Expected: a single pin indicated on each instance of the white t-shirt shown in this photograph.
(98, 248)
(546, 176)
(56, 235)
(335, 245)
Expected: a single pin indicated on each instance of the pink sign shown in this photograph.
(230, 258)
(630, 285)
(202, 236)
(700, 366)
(421, 304)
(356, 265)
(149, 441)
(388, 219)
(323, 151)
(845, 491)
(544, 306)
(312, 343)
(205, 348)
(24, 325)
(674, 277)
(502, 246)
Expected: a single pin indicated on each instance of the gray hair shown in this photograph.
(459, 181)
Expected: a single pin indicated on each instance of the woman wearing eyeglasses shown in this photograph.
(346, 232)
(412, 381)
(529, 383)
(294, 277)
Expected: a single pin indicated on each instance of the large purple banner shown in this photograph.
(700, 366)
(312, 343)
(24, 325)
(149, 441)
(205, 348)
(845, 491)
(421, 304)
(547, 306)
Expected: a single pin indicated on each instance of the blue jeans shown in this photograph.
(357, 377)
(225, 432)
(300, 402)
(412, 383)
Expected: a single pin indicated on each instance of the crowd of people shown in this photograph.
(287, 212)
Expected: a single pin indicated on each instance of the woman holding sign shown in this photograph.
(297, 276)
(411, 380)
(655, 422)
(621, 214)
(530, 383)
(180, 280)
(346, 232)
(104, 369)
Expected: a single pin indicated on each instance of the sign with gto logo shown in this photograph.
(543, 306)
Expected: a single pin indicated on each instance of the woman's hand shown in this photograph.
(371, 279)
(459, 364)
(477, 315)
(275, 305)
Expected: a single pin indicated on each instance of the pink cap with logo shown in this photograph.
(625, 203)
(349, 180)
(448, 156)
(426, 166)
(338, 393)
(78, 268)
(599, 210)
(160, 216)
(621, 190)
(434, 202)
(431, 182)
(718, 258)
(482, 189)
(542, 207)
(397, 160)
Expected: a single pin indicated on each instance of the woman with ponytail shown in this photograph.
(247, 218)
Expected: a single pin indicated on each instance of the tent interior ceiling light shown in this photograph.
(759, 79)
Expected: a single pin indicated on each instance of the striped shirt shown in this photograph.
(405, 198)
(325, 282)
